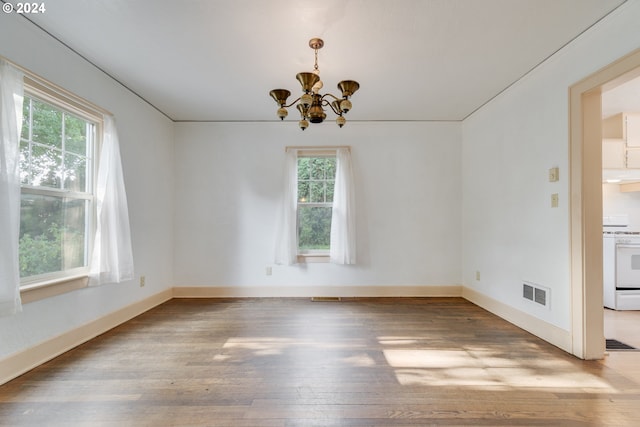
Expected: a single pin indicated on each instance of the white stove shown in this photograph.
(623, 236)
(621, 264)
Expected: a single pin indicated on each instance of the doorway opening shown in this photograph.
(585, 98)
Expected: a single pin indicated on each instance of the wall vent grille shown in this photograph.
(527, 291)
(536, 293)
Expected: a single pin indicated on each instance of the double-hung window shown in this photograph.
(316, 181)
(58, 147)
(317, 221)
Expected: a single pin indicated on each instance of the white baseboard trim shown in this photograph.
(17, 364)
(316, 291)
(543, 330)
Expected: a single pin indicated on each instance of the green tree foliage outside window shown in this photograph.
(316, 178)
(55, 159)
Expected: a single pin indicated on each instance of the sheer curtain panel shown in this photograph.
(343, 221)
(11, 97)
(286, 237)
(112, 259)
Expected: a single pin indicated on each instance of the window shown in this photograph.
(316, 180)
(317, 218)
(57, 160)
(70, 217)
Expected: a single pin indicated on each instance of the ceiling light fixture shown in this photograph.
(311, 101)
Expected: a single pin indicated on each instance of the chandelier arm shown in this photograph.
(330, 105)
(331, 95)
(287, 106)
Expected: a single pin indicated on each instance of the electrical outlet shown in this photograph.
(143, 281)
(268, 271)
(478, 275)
(554, 200)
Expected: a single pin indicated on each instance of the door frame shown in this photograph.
(585, 191)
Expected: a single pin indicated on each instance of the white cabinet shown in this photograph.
(614, 154)
(633, 130)
(633, 158)
(621, 141)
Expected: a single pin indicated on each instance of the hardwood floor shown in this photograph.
(293, 362)
(623, 326)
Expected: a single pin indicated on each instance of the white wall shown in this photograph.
(229, 178)
(146, 144)
(510, 232)
(615, 202)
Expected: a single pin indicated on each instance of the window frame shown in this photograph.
(312, 255)
(49, 284)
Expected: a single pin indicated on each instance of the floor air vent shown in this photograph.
(618, 345)
(535, 293)
(326, 299)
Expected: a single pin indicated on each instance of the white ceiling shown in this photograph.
(414, 59)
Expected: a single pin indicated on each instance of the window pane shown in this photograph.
(75, 173)
(47, 124)
(25, 177)
(315, 186)
(330, 186)
(26, 110)
(75, 132)
(46, 165)
(331, 168)
(314, 228)
(317, 168)
(303, 191)
(317, 191)
(303, 168)
(52, 234)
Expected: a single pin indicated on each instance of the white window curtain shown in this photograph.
(286, 237)
(11, 97)
(343, 222)
(112, 258)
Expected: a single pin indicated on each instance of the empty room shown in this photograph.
(304, 213)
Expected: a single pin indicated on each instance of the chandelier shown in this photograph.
(312, 101)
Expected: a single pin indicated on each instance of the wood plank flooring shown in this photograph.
(294, 363)
(623, 326)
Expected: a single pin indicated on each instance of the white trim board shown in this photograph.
(17, 364)
(543, 330)
(316, 291)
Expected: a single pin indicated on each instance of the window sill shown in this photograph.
(313, 258)
(41, 290)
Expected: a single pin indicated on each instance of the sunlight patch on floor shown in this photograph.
(487, 369)
(269, 346)
(474, 367)
(260, 346)
(359, 360)
(397, 340)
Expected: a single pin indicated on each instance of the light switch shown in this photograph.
(554, 174)
(554, 200)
